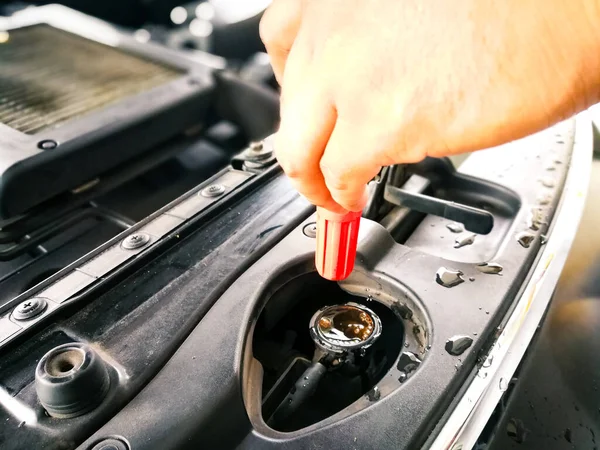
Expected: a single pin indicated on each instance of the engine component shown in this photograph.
(342, 328)
(70, 380)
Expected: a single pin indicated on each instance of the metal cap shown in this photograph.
(342, 328)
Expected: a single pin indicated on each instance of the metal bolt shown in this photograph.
(47, 144)
(256, 146)
(214, 190)
(30, 308)
(310, 230)
(111, 444)
(135, 240)
(252, 166)
(258, 151)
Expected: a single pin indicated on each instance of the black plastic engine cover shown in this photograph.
(207, 395)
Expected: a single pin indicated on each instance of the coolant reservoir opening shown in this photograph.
(308, 321)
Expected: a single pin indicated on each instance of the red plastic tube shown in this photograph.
(337, 237)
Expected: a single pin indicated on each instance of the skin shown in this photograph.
(371, 83)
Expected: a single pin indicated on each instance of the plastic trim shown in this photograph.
(473, 410)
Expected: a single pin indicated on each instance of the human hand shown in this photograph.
(370, 83)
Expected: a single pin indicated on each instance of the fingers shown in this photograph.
(278, 29)
(348, 164)
(307, 122)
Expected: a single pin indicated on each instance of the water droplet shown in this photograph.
(471, 278)
(306, 378)
(544, 199)
(293, 390)
(490, 268)
(455, 227)
(543, 239)
(516, 430)
(290, 401)
(402, 378)
(464, 241)
(408, 362)
(448, 278)
(428, 348)
(480, 308)
(503, 385)
(487, 312)
(406, 344)
(548, 182)
(482, 374)
(457, 345)
(525, 239)
(568, 435)
(374, 394)
(536, 219)
(488, 361)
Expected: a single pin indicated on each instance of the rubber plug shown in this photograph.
(337, 238)
(70, 380)
(111, 444)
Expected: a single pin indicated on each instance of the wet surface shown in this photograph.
(449, 278)
(556, 402)
(536, 219)
(490, 268)
(516, 430)
(457, 345)
(407, 364)
(455, 227)
(374, 394)
(464, 241)
(548, 182)
(525, 239)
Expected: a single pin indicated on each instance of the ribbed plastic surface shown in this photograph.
(337, 237)
(49, 76)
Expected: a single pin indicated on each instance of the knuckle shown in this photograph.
(336, 179)
(267, 28)
(292, 169)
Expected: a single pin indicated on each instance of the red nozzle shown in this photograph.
(337, 237)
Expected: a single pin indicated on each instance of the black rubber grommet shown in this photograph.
(111, 444)
(70, 380)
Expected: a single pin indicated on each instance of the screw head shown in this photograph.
(47, 144)
(30, 308)
(135, 240)
(214, 190)
(310, 230)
